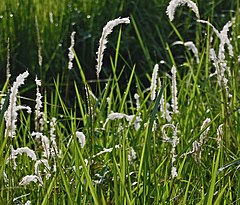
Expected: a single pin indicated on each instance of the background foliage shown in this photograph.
(57, 19)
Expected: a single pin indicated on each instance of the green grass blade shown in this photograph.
(213, 179)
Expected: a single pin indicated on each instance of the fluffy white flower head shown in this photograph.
(30, 178)
(11, 113)
(103, 40)
(175, 3)
(82, 138)
(174, 91)
(71, 53)
(154, 82)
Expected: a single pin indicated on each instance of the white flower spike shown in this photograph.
(103, 40)
(154, 82)
(11, 113)
(175, 3)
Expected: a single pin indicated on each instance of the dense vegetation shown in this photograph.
(161, 123)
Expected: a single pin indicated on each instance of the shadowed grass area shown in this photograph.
(56, 20)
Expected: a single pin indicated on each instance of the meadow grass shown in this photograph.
(118, 143)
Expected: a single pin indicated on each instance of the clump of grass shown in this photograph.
(127, 147)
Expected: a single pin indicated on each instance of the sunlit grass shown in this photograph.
(133, 154)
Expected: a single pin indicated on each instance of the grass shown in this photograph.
(120, 164)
